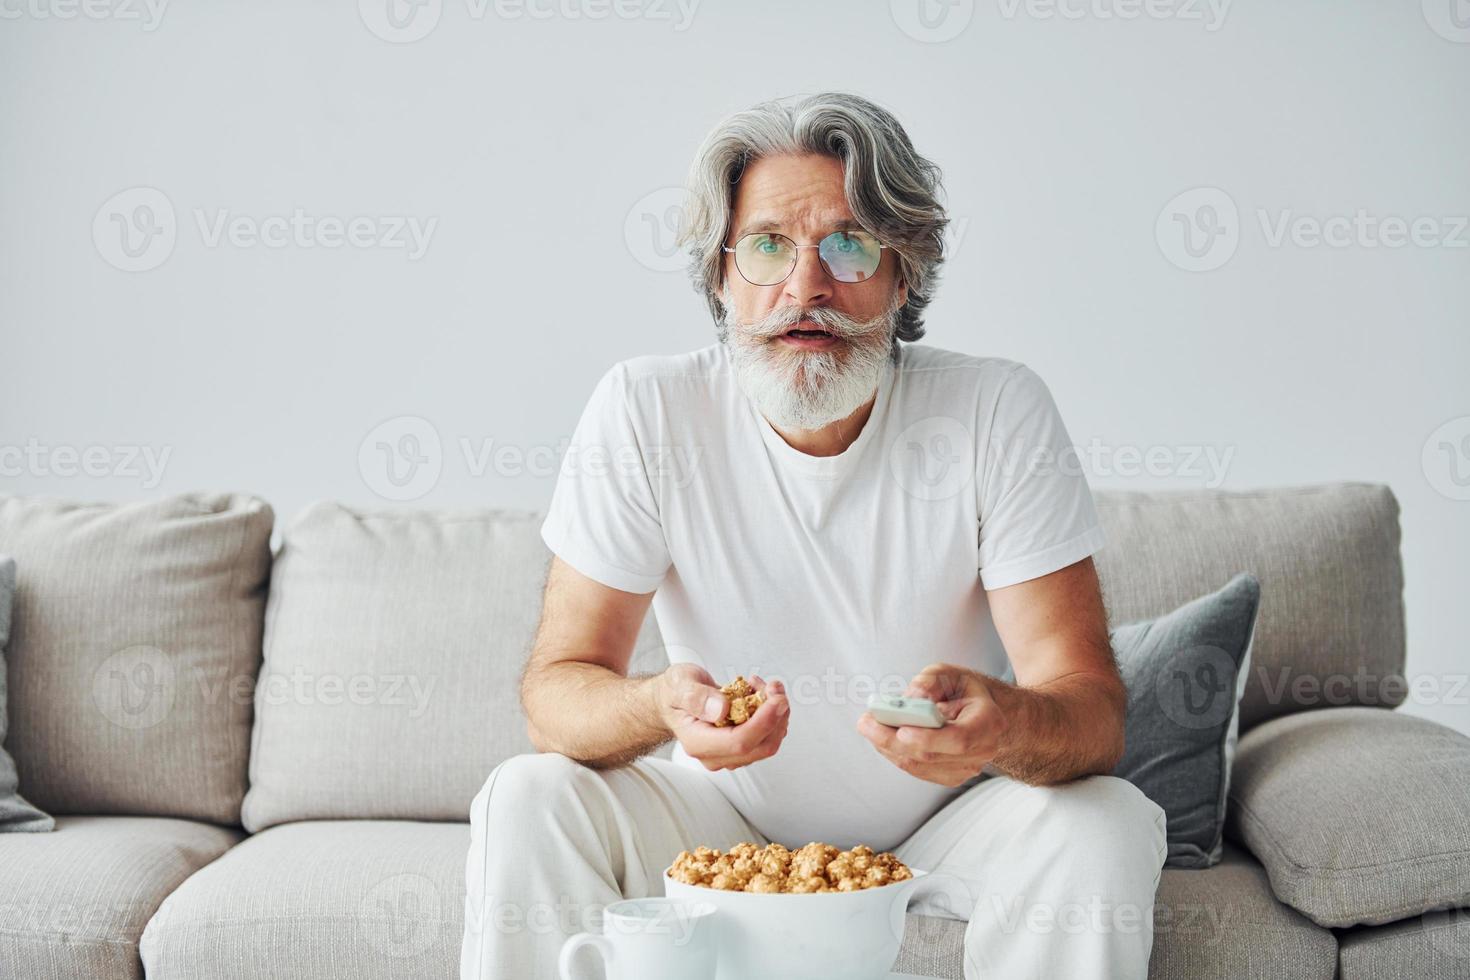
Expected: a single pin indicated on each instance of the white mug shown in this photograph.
(651, 939)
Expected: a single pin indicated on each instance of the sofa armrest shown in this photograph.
(1359, 815)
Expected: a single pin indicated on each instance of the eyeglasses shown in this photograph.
(765, 259)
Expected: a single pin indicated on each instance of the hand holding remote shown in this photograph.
(956, 752)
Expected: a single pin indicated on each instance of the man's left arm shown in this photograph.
(1061, 720)
(1064, 715)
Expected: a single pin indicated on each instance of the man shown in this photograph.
(819, 502)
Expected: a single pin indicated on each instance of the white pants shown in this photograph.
(1055, 881)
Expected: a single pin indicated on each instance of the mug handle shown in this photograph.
(935, 881)
(570, 947)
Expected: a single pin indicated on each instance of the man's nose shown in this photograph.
(808, 284)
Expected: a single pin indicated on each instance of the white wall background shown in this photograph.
(534, 132)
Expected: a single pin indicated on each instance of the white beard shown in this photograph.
(808, 389)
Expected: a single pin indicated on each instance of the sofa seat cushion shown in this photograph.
(1361, 816)
(1435, 944)
(1224, 923)
(381, 899)
(76, 900)
(1221, 923)
(365, 899)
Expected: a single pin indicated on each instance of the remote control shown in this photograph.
(897, 711)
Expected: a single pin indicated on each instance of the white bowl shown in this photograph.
(817, 936)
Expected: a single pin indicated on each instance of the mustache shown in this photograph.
(783, 318)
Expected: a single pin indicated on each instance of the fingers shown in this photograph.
(698, 706)
(928, 744)
(938, 682)
(740, 745)
(881, 735)
(697, 699)
(768, 746)
(696, 694)
(922, 752)
(772, 715)
(909, 741)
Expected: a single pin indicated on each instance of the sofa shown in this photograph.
(260, 745)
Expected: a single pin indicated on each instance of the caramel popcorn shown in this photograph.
(774, 869)
(744, 699)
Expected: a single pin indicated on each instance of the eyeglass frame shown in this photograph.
(818, 245)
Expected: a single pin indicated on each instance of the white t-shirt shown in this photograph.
(841, 575)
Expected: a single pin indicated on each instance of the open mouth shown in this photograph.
(805, 331)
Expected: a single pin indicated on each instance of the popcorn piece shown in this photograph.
(774, 869)
(744, 699)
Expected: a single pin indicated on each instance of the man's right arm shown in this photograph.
(577, 697)
(580, 702)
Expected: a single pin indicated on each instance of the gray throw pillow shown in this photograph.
(15, 813)
(1185, 673)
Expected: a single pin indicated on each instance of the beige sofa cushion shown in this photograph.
(76, 900)
(134, 644)
(384, 899)
(1223, 923)
(1436, 944)
(1359, 815)
(1331, 626)
(365, 899)
(393, 651)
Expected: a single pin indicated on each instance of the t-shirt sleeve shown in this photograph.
(1036, 511)
(603, 519)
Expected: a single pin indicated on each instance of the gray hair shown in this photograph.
(891, 190)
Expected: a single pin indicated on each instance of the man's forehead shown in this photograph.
(773, 220)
